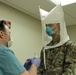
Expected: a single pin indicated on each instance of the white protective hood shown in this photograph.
(56, 15)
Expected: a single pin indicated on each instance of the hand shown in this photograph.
(27, 64)
(36, 61)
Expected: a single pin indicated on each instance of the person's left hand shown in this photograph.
(36, 61)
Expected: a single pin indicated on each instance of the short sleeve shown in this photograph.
(1, 73)
(9, 64)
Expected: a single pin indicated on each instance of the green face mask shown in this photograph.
(49, 31)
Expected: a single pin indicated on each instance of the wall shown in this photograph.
(72, 32)
(26, 32)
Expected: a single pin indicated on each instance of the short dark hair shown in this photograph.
(3, 23)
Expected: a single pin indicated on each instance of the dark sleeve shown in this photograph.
(40, 69)
(70, 60)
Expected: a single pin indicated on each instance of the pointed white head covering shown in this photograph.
(56, 15)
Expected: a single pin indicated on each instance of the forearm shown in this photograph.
(33, 70)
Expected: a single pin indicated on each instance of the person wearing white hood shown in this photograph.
(58, 56)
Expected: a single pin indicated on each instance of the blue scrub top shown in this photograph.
(9, 64)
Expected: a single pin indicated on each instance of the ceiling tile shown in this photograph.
(31, 7)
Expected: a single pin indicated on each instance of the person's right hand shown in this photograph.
(36, 61)
(27, 64)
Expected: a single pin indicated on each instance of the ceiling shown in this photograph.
(31, 7)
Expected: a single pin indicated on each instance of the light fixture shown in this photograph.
(63, 2)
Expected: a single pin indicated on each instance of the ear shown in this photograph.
(1, 34)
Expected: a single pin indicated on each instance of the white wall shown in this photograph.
(26, 32)
(72, 32)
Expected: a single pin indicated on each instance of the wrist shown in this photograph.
(34, 66)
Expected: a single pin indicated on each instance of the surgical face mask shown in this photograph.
(49, 31)
(10, 42)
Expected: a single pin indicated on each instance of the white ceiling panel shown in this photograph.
(70, 14)
(31, 7)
